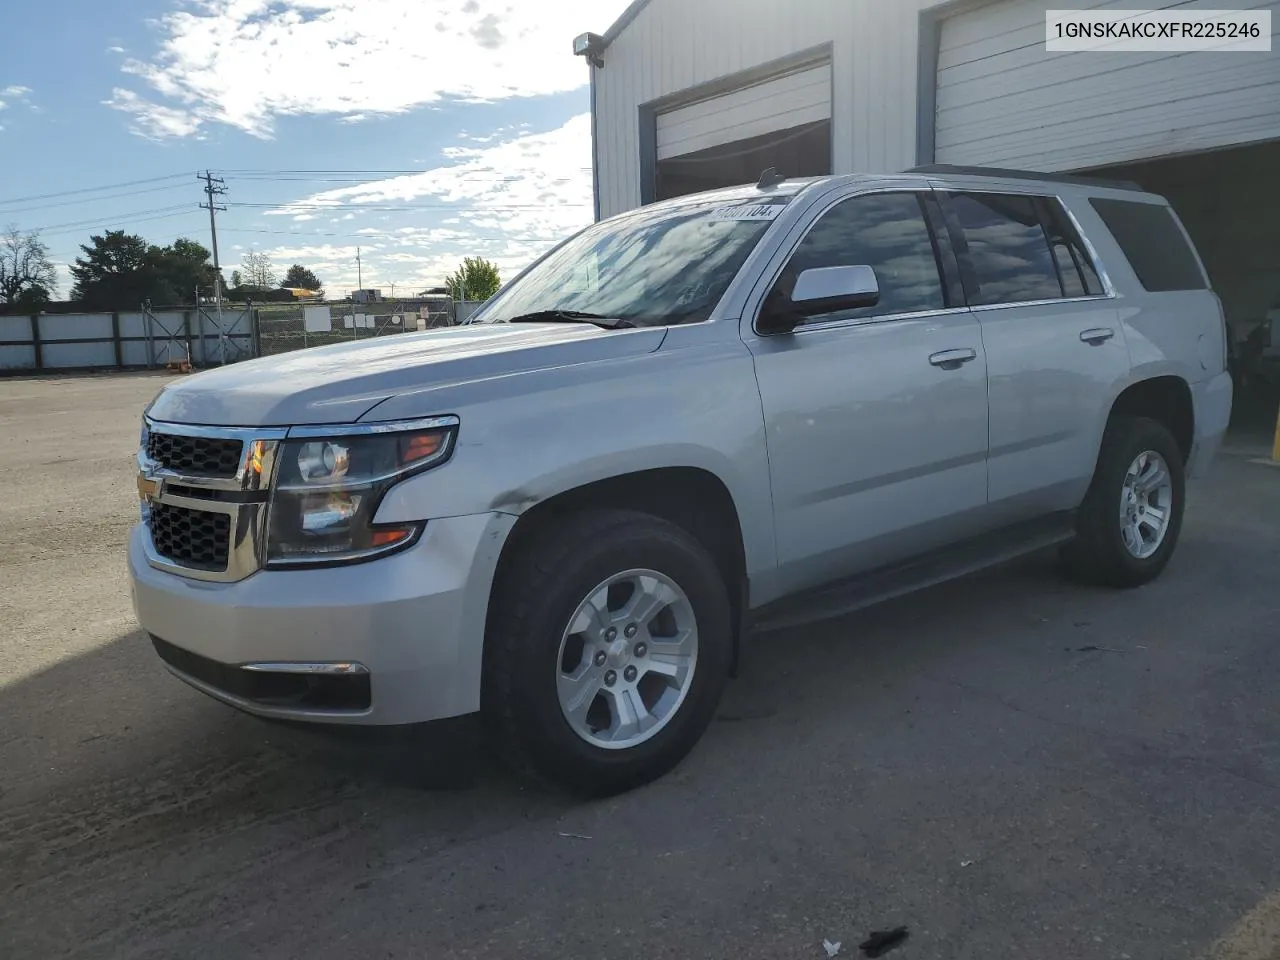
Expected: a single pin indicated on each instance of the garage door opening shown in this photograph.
(1228, 201)
(803, 151)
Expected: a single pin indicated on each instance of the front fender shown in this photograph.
(692, 406)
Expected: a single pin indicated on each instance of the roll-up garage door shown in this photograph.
(779, 103)
(1002, 100)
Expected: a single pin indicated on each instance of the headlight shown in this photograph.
(328, 488)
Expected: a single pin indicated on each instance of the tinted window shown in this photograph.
(1075, 266)
(1008, 254)
(1155, 246)
(884, 231)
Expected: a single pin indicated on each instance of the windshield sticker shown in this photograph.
(756, 211)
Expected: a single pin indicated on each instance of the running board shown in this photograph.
(939, 566)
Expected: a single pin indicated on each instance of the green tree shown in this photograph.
(119, 271)
(299, 277)
(235, 279)
(28, 277)
(476, 279)
(184, 265)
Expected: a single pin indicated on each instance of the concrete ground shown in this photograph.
(1012, 766)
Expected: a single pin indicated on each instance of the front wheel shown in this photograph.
(609, 646)
(1129, 523)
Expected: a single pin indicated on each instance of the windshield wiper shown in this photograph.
(573, 316)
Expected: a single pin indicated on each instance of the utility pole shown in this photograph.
(214, 187)
(359, 272)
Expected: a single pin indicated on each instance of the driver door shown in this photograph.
(876, 418)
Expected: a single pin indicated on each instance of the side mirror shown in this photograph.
(819, 291)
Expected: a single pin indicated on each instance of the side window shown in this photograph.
(1153, 244)
(885, 231)
(1009, 252)
(1075, 266)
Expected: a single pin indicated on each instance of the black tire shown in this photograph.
(1098, 553)
(538, 592)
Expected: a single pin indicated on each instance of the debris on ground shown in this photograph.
(882, 941)
(966, 863)
(831, 948)
(575, 836)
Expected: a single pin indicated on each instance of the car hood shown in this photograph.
(342, 383)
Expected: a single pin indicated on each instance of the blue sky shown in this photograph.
(420, 131)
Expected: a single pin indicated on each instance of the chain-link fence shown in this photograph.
(288, 326)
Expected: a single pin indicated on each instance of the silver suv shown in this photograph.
(749, 407)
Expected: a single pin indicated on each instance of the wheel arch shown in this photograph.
(693, 498)
(1165, 398)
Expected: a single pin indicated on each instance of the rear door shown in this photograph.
(1054, 343)
(876, 418)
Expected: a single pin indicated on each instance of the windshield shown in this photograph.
(651, 269)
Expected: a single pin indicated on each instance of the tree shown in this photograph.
(476, 279)
(184, 265)
(235, 279)
(119, 271)
(28, 277)
(299, 277)
(258, 272)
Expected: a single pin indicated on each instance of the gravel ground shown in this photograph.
(1011, 766)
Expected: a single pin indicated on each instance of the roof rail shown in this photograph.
(950, 169)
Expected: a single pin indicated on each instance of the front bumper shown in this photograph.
(414, 621)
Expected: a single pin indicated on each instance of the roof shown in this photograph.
(948, 169)
(624, 21)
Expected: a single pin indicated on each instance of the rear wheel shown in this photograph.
(1131, 518)
(609, 647)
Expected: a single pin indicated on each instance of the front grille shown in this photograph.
(346, 692)
(202, 456)
(192, 538)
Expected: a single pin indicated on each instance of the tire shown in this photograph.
(1103, 552)
(532, 659)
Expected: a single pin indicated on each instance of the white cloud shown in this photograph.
(248, 62)
(153, 120)
(115, 49)
(15, 92)
(506, 201)
(536, 185)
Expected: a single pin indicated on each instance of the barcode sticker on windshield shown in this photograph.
(756, 211)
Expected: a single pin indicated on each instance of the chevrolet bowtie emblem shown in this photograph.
(148, 489)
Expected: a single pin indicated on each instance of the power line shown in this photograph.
(359, 180)
(125, 217)
(308, 207)
(403, 238)
(131, 221)
(109, 196)
(352, 171)
(83, 190)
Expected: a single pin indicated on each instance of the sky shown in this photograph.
(419, 131)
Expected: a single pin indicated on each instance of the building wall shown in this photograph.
(677, 44)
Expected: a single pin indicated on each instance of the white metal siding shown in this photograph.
(1003, 100)
(675, 45)
(775, 104)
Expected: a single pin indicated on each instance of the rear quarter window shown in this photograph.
(1153, 243)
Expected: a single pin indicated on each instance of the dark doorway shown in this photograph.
(803, 151)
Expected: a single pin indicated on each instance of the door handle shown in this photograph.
(1096, 336)
(953, 359)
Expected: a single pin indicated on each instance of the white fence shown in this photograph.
(144, 338)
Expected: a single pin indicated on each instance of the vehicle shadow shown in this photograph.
(134, 810)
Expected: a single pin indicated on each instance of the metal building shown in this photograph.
(693, 94)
